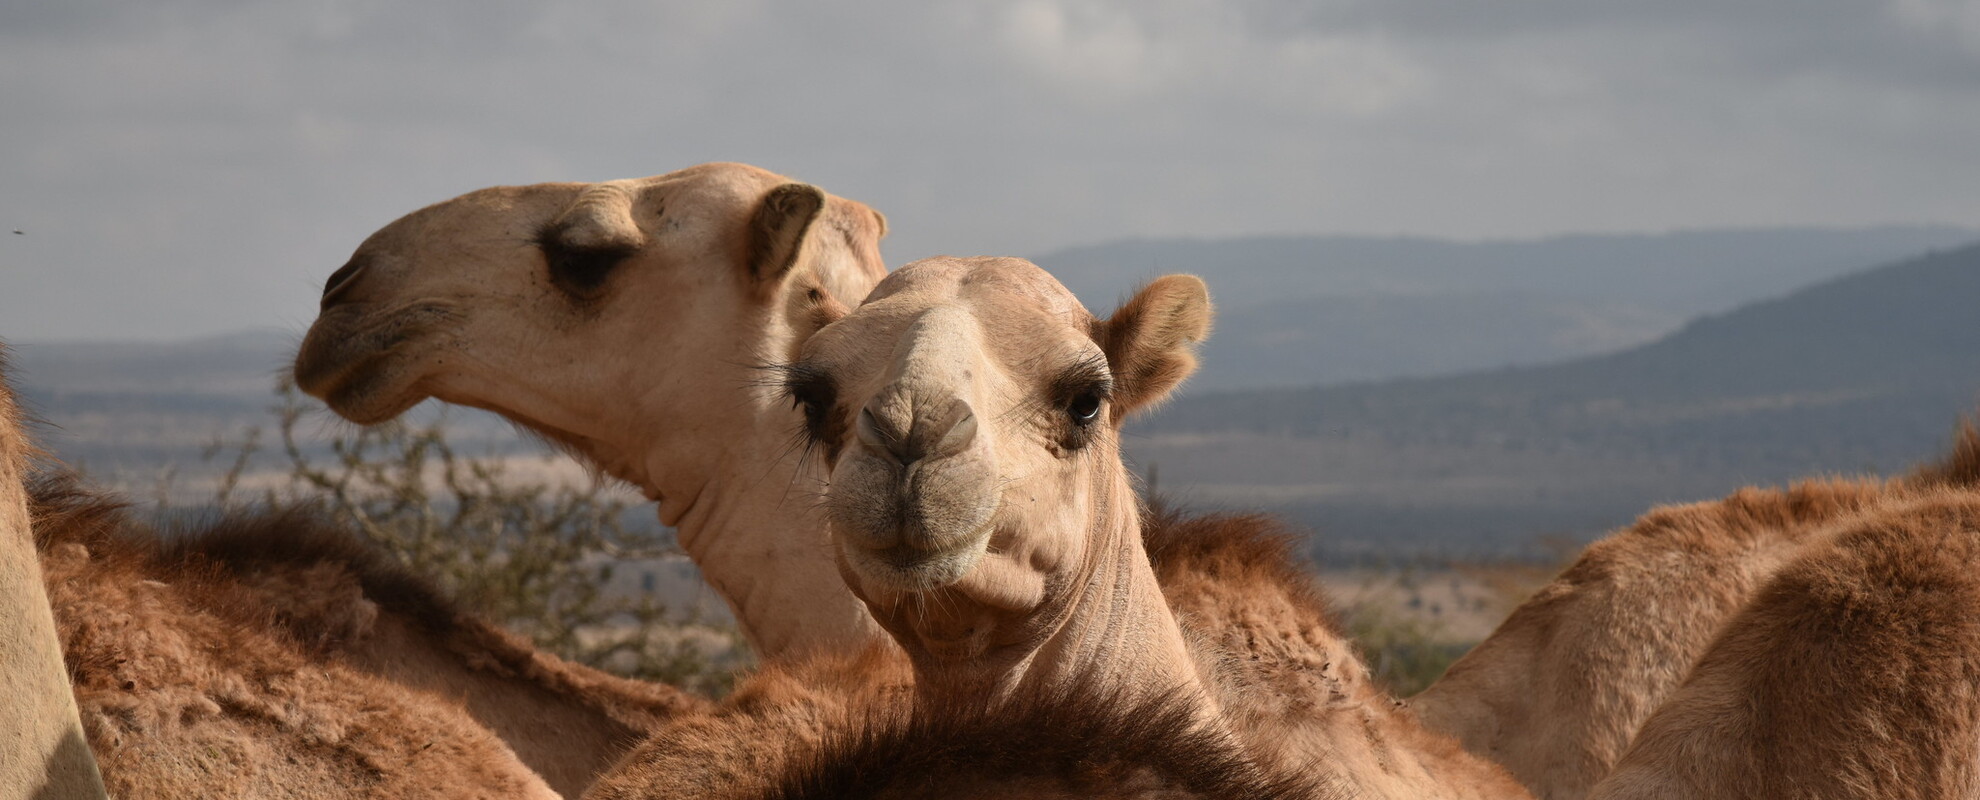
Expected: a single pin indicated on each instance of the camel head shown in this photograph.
(592, 313)
(969, 412)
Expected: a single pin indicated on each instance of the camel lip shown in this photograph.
(350, 358)
(904, 567)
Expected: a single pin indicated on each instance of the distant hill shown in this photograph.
(1865, 372)
(1297, 311)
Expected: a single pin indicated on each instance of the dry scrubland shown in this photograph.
(579, 564)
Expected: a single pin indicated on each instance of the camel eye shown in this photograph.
(813, 393)
(1084, 408)
(582, 271)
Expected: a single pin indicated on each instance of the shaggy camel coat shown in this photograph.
(272, 656)
(798, 726)
(1559, 690)
(1853, 673)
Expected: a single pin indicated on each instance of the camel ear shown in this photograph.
(1150, 341)
(777, 231)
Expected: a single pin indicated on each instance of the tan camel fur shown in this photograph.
(1558, 691)
(1853, 673)
(626, 321)
(273, 656)
(42, 750)
(982, 512)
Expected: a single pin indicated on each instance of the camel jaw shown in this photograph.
(364, 365)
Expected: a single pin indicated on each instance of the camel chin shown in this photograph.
(364, 364)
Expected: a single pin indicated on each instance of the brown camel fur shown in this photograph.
(824, 709)
(42, 749)
(1558, 691)
(1853, 673)
(835, 725)
(273, 656)
(1023, 620)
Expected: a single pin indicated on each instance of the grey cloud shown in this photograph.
(196, 167)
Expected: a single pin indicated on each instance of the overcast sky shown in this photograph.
(187, 168)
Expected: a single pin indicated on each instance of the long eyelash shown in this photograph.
(818, 426)
(1089, 374)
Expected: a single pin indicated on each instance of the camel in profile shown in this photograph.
(42, 750)
(341, 676)
(512, 720)
(625, 322)
(979, 508)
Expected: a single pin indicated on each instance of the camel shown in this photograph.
(42, 750)
(1558, 691)
(626, 322)
(296, 600)
(1850, 674)
(968, 414)
(1555, 694)
(503, 701)
(422, 310)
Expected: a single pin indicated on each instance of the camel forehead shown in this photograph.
(512, 215)
(996, 291)
(1017, 313)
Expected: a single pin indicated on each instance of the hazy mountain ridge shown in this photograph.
(1863, 373)
(1866, 371)
(1298, 311)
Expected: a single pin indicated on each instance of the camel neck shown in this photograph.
(746, 516)
(1118, 633)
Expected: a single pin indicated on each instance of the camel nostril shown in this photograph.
(905, 437)
(341, 281)
(881, 441)
(960, 434)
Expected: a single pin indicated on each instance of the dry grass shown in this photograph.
(534, 547)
